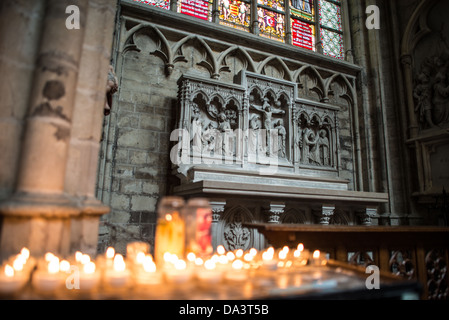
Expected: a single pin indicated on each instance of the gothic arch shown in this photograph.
(163, 50)
(320, 87)
(418, 18)
(221, 61)
(209, 62)
(281, 66)
(349, 93)
(293, 216)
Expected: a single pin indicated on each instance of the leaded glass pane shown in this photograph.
(275, 4)
(200, 9)
(330, 15)
(303, 9)
(332, 43)
(235, 14)
(303, 34)
(164, 4)
(271, 24)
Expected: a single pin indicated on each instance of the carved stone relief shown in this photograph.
(260, 118)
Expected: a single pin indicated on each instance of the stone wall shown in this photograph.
(153, 49)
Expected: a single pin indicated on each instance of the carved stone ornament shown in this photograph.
(431, 92)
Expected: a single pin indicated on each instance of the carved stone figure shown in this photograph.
(423, 94)
(282, 135)
(324, 148)
(268, 112)
(111, 88)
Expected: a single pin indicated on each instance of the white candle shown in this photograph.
(10, 282)
(117, 276)
(237, 272)
(209, 273)
(317, 258)
(179, 273)
(148, 273)
(89, 276)
(268, 259)
(48, 279)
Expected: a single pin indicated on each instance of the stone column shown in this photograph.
(20, 30)
(218, 206)
(38, 214)
(88, 113)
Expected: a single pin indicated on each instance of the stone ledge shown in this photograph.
(285, 192)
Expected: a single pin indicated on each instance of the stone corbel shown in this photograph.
(275, 211)
(366, 215)
(326, 213)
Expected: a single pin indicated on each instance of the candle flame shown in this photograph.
(283, 254)
(248, 257)
(198, 261)
(191, 256)
(78, 256)
(209, 265)
(180, 264)
(148, 264)
(140, 257)
(316, 254)
(239, 253)
(64, 266)
(9, 271)
(237, 264)
(253, 251)
(119, 263)
(53, 265)
(221, 250)
(230, 255)
(18, 263)
(168, 217)
(110, 253)
(25, 253)
(300, 247)
(89, 268)
(85, 259)
(49, 256)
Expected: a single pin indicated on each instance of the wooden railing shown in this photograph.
(413, 252)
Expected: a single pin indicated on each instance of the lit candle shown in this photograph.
(10, 282)
(237, 272)
(118, 275)
(267, 259)
(48, 279)
(148, 274)
(89, 276)
(179, 273)
(209, 274)
(317, 258)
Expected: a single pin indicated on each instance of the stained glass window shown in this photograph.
(164, 4)
(330, 15)
(303, 9)
(332, 43)
(274, 4)
(331, 28)
(271, 18)
(271, 24)
(200, 9)
(303, 34)
(235, 14)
